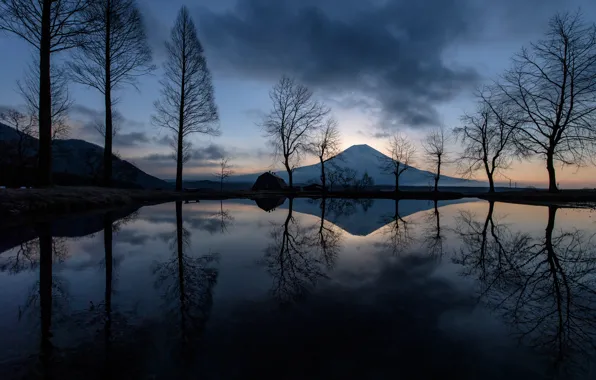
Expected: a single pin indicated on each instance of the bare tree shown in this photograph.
(486, 136)
(326, 144)
(290, 125)
(224, 172)
(402, 154)
(187, 104)
(115, 53)
(60, 98)
(552, 86)
(435, 153)
(50, 26)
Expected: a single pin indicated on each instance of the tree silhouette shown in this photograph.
(187, 104)
(326, 144)
(50, 26)
(114, 53)
(402, 154)
(487, 138)
(551, 88)
(292, 122)
(435, 152)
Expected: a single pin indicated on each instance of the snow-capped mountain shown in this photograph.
(363, 158)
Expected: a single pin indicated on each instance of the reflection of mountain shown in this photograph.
(68, 227)
(362, 219)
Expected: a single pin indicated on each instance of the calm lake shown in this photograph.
(302, 290)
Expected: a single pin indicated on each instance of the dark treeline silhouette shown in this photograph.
(543, 286)
(541, 108)
(109, 50)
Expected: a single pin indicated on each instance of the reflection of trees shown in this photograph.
(292, 260)
(225, 218)
(398, 235)
(328, 238)
(434, 238)
(187, 283)
(545, 287)
(342, 207)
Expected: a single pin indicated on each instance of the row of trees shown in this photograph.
(109, 51)
(543, 107)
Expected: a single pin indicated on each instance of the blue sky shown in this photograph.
(382, 65)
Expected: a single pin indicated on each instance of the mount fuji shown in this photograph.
(363, 158)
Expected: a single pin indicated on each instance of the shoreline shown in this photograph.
(20, 206)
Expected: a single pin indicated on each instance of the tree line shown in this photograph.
(108, 49)
(542, 108)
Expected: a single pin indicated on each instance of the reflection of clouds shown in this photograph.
(389, 323)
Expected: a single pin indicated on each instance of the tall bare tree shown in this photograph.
(50, 26)
(114, 54)
(402, 154)
(292, 122)
(224, 172)
(486, 136)
(60, 100)
(326, 144)
(433, 145)
(552, 86)
(187, 104)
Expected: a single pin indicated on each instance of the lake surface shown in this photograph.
(302, 290)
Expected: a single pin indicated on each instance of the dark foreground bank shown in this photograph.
(26, 205)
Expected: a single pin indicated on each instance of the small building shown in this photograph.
(313, 187)
(269, 181)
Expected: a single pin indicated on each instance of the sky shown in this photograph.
(381, 65)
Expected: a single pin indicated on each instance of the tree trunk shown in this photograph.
(552, 175)
(107, 149)
(179, 158)
(491, 183)
(396, 182)
(180, 154)
(180, 247)
(44, 163)
(109, 262)
(323, 178)
(438, 174)
(290, 179)
(45, 288)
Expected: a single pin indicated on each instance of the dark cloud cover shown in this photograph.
(384, 56)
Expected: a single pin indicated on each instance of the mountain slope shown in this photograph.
(363, 158)
(81, 159)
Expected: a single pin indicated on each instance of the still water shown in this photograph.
(302, 289)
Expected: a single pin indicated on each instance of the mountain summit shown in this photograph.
(362, 158)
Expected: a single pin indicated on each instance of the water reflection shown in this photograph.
(290, 259)
(544, 287)
(186, 282)
(366, 289)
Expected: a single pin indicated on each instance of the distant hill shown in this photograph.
(78, 161)
(363, 158)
